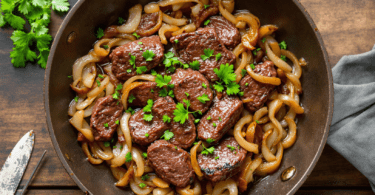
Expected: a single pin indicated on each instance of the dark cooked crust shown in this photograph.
(106, 111)
(258, 92)
(190, 47)
(228, 163)
(171, 163)
(226, 30)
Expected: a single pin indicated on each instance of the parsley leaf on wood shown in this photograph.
(60, 5)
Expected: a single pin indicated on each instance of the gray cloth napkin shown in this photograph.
(352, 131)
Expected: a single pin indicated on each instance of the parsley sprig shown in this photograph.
(167, 135)
(181, 113)
(148, 116)
(207, 53)
(164, 81)
(207, 151)
(38, 14)
(227, 78)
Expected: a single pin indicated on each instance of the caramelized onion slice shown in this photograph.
(226, 14)
(267, 30)
(193, 158)
(166, 28)
(250, 39)
(261, 78)
(172, 2)
(151, 8)
(135, 14)
(174, 21)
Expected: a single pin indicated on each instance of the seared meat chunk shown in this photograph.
(229, 158)
(189, 85)
(144, 132)
(222, 116)
(204, 14)
(227, 31)
(258, 92)
(171, 163)
(191, 46)
(142, 93)
(147, 22)
(103, 119)
(121, 57)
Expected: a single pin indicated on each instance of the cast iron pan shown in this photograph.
(295, 27)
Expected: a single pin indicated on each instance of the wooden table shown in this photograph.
(347, 27)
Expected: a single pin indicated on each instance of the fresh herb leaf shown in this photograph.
(161, 82)
(145, 177)
(142, 185)
(131, 98)
(106, 125)
(252, 66)
(70, 76)
(257, 121)
(218, 56)
(114, 147)
(246, 84)
(116, 95)
(209, 118)
(207, 151)
(195, 65)
(100, 76)
(105, 46)
(210, 140)
(204, 85)
(255, 51)
(175, 147)
(146, 134)
(153, 72)
(218, 87)
(99, 33)
(130, 110)
(120, 20)
(149, 105)
(59, 5)
(144, 155)
(136, 35)
(148, 55)
(167, 135)
(147, 117)
(226, 73)
(233, 88)
(206, 22)
(117, 122)
(241, 93)
(206, 6)
(283, 57)
(231, 147)
(282, 45)
(140, 43)
(76, 99)
(166, 119)
(163, 92)
(187, 94)
(132, 60)
(217, 157)
(196, 121)
(98, 83)
(263, 40)
(129, 70)
(243, 72)
(214, 124)
(203, 99)
(207, 53)
(141, 69)
(181, 114)
(106, 144)
(176, 41)
(119, 87)
(128, 157)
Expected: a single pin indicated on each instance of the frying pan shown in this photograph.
(295, 27)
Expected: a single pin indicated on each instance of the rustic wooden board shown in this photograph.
(347, 27)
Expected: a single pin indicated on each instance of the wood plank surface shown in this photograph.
(347, 27)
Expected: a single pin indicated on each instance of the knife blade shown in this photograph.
(12, 171)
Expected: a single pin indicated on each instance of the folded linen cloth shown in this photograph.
(352, 131)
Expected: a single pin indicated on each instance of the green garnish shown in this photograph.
(132, 60)
(231, 147)
(119, 87)
(206, 6)
(214, 124)
(227, 77)
(141, 69)
(136, 35)
(282, 45)
(206, 22)
(166, 119)
(283, 57)
(252, 66)
(106, 144)
(106, 125)
(116, 95)
(203, 99)
(76, 99)
(130, 110)
(196, 121)
(148, 55)
(176, 41)
(105, 46)
(146, 134)
(257, 121)
(100, 76)
(99, 33)
(207, 53)
(145, 177)
(153, 72)
(167, 135)
(218, 56)
(246, 84)
(144, 155)
(209, 118)
(256, 50)
(120, 20)
(204, 85)
(181, 113)
(70, 76)
(207, 151)
(195, 65)
(210, 140)
(117, 122)
(263, 40)
(131, 98)
(216, 157)
(140, 43)
(142, 185)
(98, 82)
(129, 70)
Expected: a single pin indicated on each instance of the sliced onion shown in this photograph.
(196, 9)
(197, 188)
(124, 181)
(90, 108)
(176, 7)
(186, 29)
(89, 74)
(185, 191)
(126, 36)
(250, 39)
(138, 159)
(78, 122)
(80, 63)
(154, 29)
(118, 172)
(228, 5)
(276, 60)
(250, 132)
(98, 89)
(91, 159)
(228, 184)
(261, 78)
(296, 82)
(292, 103)
(161, 191)
(193, 158)
(138, 190)
(151, 8)
(267, 30)
(160, 183)
(166, 28)
(251, 147)
(274, 106)
(292, 133)
(173, 21)
(72, 107)
(241, 67)
(265, 150)
(124, 124)
(119, 158)
(100, 150)
(172, 2)
(135, 14)
(297, 70)
(85, 103)
(226, 14)
(126, 88)
(270, 167)
(238, 50)
(260, 113)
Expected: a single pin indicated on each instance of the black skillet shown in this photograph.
(295, 27)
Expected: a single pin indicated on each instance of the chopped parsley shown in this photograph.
(209, 118)
(106, 125)
(207, 53)
(116, 95)
(99, 33)
(231, 147)
(252, 66)
(167, 135)
(107, 144)
(181, 113)
(129, 70)
(217, 157)
(131, 98)
(105, 46)
(196, 121)
(148, 55)
(263, 40)
(141, 69)
(146, 134)
(256, 50)
(203, 99)
(246, 84)
(117, 122)
(175, 147)
(144, 155)
(257, 121)
(136, 35)
(282, 45)
(218, 56)
(153, 72)
(241, 93)
(283, 57)
(130, 110)
(141, 48)
(98, 82)
(206, 6)
(145, 177)
(70, 76)
(204, 85)
(195, 65)
(219, 118)
(176, 41)
(166, 119)
(207, 151)
(142, 185)
(227, 78)
(119, 87)
(114, 147)
(100, 76)
(161, 82)
(243, 72)
(148, 116)
(206, 22)
(210, 140)
(140, 43)
(120, 20)
(132, 60)
(214, 124)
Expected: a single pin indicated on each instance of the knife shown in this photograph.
(12, 171)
